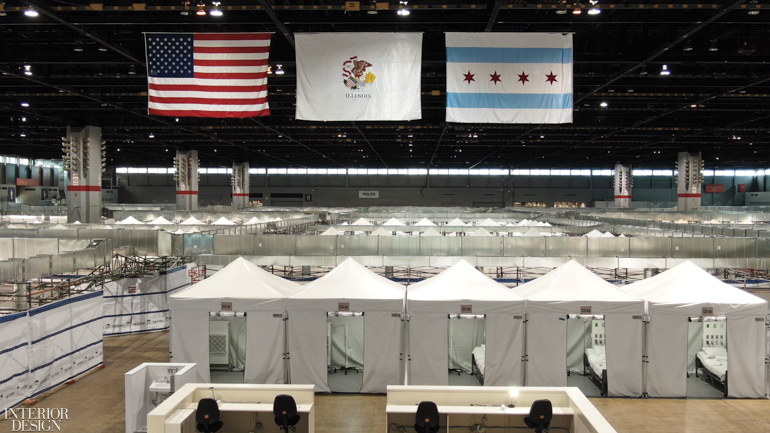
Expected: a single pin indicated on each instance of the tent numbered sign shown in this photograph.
(707, 311)
(343, 306)
(466, 309)
(585, 309)
(226, 306)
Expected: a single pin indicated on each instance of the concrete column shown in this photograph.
(624, 182)
(186, 177)
(689, 180)
(240, 183)
(84, 161)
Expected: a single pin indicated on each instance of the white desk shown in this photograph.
(461, 406)
(240, 406)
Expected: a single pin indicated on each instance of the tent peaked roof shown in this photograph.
(241, 279)
(361, 222)
(457, 222)
(130, 220)
(461, 281)
(571, 282)
(480, 232)
(489, 223)
(593, 234)
(430, 232)
(351, 280)
(223, 222)
(425, 222)
(687, 283)
(393, 222)
(192, 221)
(607, 235)
(331, 231)
(160, 221)
(381, 232)
(253, 220)
(532, 232)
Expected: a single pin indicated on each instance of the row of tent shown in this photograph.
(192, 221)
(382, 231)
(454, 223)
(526, 333)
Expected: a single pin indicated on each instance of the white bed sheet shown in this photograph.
(598, 362)
(479, 353)
(715, 364)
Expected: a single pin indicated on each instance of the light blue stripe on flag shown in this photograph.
(509, 100)
(508, 55)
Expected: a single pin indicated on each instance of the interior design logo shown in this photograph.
(36, 419)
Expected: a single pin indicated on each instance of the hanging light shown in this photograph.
(279, 69)
(31, 12)
(594, 11)
(561, 12)
(603, 105)
(27, 70)
(216, 12)
(403, 11)
(687, 46)
(577, 11)
(664, 70)
(713, 47)
(201, 11)
(269, 70)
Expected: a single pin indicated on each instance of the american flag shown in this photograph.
(208, 74)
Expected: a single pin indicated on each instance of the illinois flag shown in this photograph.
(207, 74)
(358, 76)
(509, 77)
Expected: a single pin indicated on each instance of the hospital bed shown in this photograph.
(478, 361)
(712, 362)
(595, 363)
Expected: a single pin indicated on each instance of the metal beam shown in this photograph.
(370, 144)
(285, 31)
(493, 15)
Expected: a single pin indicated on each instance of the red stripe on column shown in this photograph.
(622, 196)
(689, 195)
(83, 188)
(187, 193)
(240, 195)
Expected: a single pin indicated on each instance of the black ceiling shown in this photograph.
(713, 101)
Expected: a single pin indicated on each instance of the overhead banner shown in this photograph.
(509, 77)
(358, 76)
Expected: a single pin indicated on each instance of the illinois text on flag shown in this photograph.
(358, 76)
(207, 74)
(509, 77)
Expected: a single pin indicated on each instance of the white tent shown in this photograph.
(393, 222)
(523, 223)
(361, 222)
(381, 232)
(253, 220)
(380, 299)
(331, 231)
(488, 223)
(193, 230)
(607, 235)
(192, 221)
(510, 225)
(573, 289)
(480, 232)
(430, 301)
(129, 220)
(430, 232)
(593, 234)
(105, 227)
(251, 290)
(456, 223)
(682, 292)
(424, 223)
(160, 221)
(533, 232)
(223, 222)
(58, 227)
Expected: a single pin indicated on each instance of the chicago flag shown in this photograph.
(509, 77)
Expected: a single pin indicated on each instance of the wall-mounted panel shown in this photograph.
(692, 247)
(84, 259)
(6, 248)
(524, 246)
(28, 247)
(734, 248)
(275, 245)
(72, 244)
(649, 247)
(36, 267)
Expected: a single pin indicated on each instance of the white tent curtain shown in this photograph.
(263, 365)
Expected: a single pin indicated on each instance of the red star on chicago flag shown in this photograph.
(469, 77)
(551, 78)
(495, 78)
(523, 78)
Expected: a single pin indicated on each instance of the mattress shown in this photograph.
(717, 365)
(597, 360)
(479, 354)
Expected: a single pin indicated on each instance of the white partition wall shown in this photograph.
(147, 385)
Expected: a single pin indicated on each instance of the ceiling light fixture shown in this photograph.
(603, 105)
(31, 12)
(594, 11)
(79, 47)
(103, 49)
(664, 70)
(561, 12)
(687, 47)
(577, 11)
(132, 70)
(25, 104)
(151, 135)
(713, 47)
(22, 135)
(279, 69)
(27, 70)
(269, 70)
(201, 11)
(753, 12)
(402, 9)
(216, 12)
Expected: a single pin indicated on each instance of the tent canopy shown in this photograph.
(331, 231)
(480, 232)
(361, 222)
(430, 232)
(572, 282)
(192, 221)
(160, 221)
(351, 280)
(381, 232)
(253, 220)
(532, 232)
(456, 223)
(489, 223)
(130, 220)
(425, 222)
(223, 222)
(461, 281)
(593, 234)
(393, 222)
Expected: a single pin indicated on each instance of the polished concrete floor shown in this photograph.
(95, 402)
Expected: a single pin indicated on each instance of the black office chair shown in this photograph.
(426, 419)
(207, 416)
(540, 415)
(285, 411)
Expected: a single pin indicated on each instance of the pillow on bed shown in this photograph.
(715, 351)
(599, 350)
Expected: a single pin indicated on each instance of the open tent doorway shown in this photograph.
(345, 351)
(586, 355)
(227, 346)
(467, 349)
(707, 357)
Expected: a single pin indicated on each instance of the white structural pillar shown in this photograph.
(186, 177)
(240, 183)
(624, 181)
(690, 166)
(84, 161)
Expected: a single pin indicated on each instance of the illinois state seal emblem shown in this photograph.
(355, 75)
